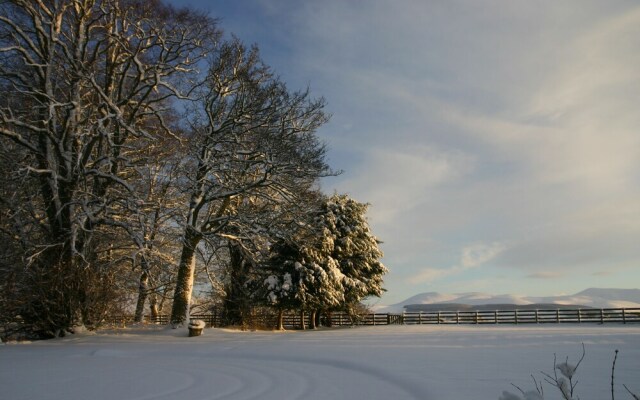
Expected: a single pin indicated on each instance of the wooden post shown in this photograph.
(438, 317)
(557, 315)
(624, 317)
(516, 315)
(495, 317)
(579, 315)
(420, 318)
(537, 321)
(477, 317)
(602, 316)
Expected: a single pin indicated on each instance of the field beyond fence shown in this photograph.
(497, 317)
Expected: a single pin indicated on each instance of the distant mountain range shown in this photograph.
(594, 298)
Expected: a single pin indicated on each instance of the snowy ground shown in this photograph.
(385, 362)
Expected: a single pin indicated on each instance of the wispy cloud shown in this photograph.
(399, 179)
(472, 256)
(478, 254)
(546, 275)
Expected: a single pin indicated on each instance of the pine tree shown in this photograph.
(347, 239)
(298, 277)
(333, 264)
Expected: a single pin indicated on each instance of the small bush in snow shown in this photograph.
(565, 384)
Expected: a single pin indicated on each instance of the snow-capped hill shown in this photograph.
(483, 298)
(631, 295)
(427, 298)
(594, 297)
(422, 298)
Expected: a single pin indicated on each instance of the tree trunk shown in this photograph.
(312, 320)
(302, 324)
(143, 292)
(56, 294)
(280, 320)
(184, 281)
(153, 307)
(236, 303)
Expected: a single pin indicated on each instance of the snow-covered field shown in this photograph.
(385, 362)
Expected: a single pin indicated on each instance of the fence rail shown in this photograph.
(497, 317)
(557, 316)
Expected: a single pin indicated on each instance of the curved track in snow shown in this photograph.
(163, 366)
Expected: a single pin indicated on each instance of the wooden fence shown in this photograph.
(557, 316)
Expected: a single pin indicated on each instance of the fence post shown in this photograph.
(420, 318)
(557, 315)
(624, 317)
(374, 319)
(516, 314)
(601, 316)
(579, 315)
(495, 317)
(477, 317)
(537, 321)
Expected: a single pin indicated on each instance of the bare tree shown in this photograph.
(87, 80)
(251, 139)
(153, 225)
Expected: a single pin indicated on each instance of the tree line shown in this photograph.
(147, 160)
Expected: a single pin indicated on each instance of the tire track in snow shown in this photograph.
(275, 369)
(318, 378)
(247, 377)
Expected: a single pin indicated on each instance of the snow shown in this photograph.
(197, 324)
(398, 362)
(566, 369)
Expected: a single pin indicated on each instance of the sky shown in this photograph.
(497, 142)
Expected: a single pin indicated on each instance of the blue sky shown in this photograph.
(498, 142)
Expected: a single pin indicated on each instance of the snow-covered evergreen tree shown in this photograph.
(297, 277)
(348, 241)
(333, 265)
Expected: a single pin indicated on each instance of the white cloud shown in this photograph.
(472, 256)
(478, 254)
(397, 180)
(432, 274)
